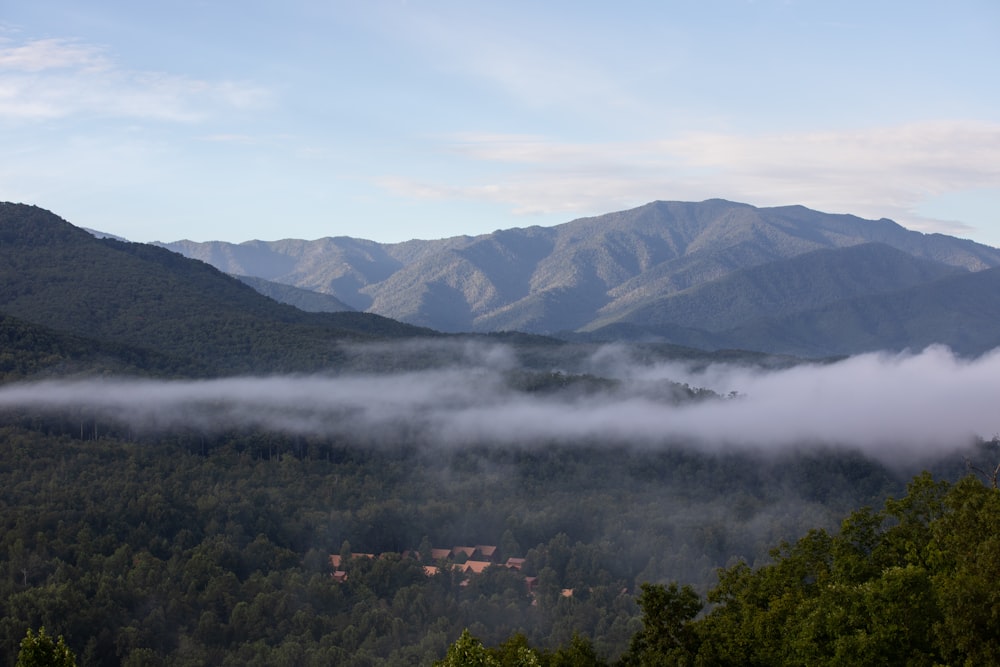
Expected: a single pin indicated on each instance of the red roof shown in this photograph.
(475, 566)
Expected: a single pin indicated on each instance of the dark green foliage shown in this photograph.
(667, 636)
(912, 584)
(188, 317)
(41, 650)
(29, 350)
(189, 549)
(467, 651)
(534, 382)
(579, 652)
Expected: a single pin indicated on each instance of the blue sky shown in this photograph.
(394, 119)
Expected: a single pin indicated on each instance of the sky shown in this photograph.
(398, 119)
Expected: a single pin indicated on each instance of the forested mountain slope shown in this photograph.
(637, 267)
(204, 322)
(960, 311)
(788, 286)
(30, 350)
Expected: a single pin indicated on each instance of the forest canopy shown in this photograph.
(216, 549)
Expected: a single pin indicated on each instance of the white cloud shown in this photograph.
(52, 78)
(46, 54)
(875, 172)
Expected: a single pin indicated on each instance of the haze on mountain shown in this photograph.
(714, 275)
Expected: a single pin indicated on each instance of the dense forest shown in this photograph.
(189, 549)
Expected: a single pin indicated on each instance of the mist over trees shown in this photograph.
(215, 549)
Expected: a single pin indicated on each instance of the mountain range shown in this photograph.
(713, 274)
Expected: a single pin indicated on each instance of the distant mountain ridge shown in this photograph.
(657, 270)
(307, 300)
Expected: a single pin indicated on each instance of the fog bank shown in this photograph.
(888, 405)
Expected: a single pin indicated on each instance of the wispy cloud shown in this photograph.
(531, 59)
(55, 78)
(49, 54)
(876, 172)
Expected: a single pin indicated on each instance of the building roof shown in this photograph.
(514, 563)
(475, 566)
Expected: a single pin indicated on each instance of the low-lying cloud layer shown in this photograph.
(889, 405)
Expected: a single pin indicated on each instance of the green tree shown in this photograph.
(516, 652)
(911, 585)
(40, 650)
(467, 651)
(964, 552)
(578, 653)
(667, 636)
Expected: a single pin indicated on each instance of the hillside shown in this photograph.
(30, 350)
(961, 311)
(60, 277)
(303, 299)
(787, 286)
(711, 266)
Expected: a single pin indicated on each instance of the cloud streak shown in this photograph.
(875, 172)
(47, 79)
(896, 407)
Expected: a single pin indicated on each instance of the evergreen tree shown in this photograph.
(41, 650)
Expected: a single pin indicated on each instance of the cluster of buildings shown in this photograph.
(470, 560)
